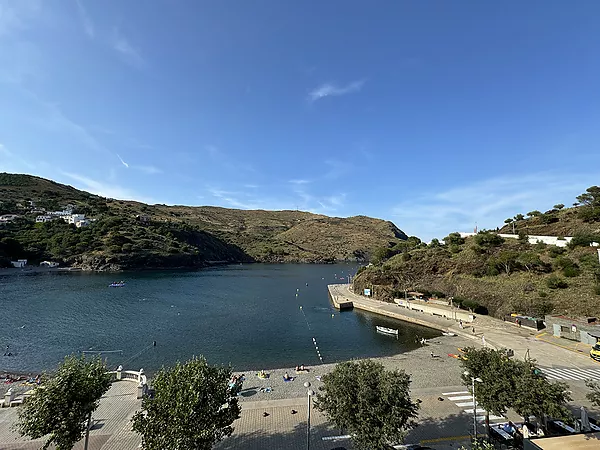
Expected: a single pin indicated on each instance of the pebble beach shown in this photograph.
(425, 371)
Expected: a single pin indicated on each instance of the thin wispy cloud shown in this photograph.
(4, 151)
(148, 170)
(299, 181)
(232, 199)
(86, 21)
(330, 90)
(487, 203)
(128, 52)
(109, 190)
(15, 15)
(337, 168)
(122, 162)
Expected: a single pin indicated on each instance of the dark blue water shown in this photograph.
(247, 315)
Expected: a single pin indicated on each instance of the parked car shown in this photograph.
(595, 352)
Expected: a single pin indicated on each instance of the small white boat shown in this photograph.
(387, 330)
(448, 333)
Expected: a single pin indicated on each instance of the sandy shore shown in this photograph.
(425, 371)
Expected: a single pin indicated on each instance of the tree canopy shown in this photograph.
(520, 385)
(62, 405)
(594, 394)
(193, 407)
(371, 403)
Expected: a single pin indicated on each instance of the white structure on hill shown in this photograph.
(43, 219)
(550, 240)
(8, 218)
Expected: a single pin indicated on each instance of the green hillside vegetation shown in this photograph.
(127, 234)
(487, 273)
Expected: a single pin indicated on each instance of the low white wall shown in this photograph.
(550, 240)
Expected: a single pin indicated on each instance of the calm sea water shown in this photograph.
(246, 315)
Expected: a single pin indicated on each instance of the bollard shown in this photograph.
(119, 370)
(8, 397)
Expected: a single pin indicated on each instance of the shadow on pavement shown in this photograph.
(291, 440)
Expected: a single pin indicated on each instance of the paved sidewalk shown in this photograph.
(111, 429)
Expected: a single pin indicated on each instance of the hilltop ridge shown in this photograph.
(128, 234)
(488, 273)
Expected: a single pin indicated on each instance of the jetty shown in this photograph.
(421, 313)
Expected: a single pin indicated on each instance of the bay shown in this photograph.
(245, 315)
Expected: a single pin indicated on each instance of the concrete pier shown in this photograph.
(340, 294)
(339, 300)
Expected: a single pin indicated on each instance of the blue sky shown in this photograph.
(433, 114)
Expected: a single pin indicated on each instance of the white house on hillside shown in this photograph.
(74, 218)
(43, 219)
(19, 263)
(8, 218)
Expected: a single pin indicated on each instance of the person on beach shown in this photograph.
(286, 377)
(460, 324)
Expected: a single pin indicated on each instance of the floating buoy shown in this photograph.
(300, 306)
(332, 315)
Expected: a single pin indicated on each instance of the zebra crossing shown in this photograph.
(464, 400)
(571, 373)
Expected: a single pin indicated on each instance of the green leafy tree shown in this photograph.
(506, 260)
(532, 262)
(372, 404)
(534, 213)
(559, 206)
(591, 197)
(62, 407)
(479, 445)
(488, 239)
(509, 220)
(537, 396)
(454, 239)
(519, 217)
(496, 391)
(193, 408)
(594, 394)
(434, 243)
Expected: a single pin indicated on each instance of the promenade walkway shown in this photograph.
(111, 429)
(495, 332)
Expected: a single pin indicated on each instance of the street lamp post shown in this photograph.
(309, 394)
(473, 380)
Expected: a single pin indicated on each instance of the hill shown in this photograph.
(126, 234)
(487, 273)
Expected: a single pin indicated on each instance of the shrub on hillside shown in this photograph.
(597, 289)
(543, 294)
(453, 248)
(523, 238)
(589, 214)
(548, 218)
(555, 282)
(454, 239)
(590, 261)
(571, 271)
(488, 239)
(583, 239)
(555, 251)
